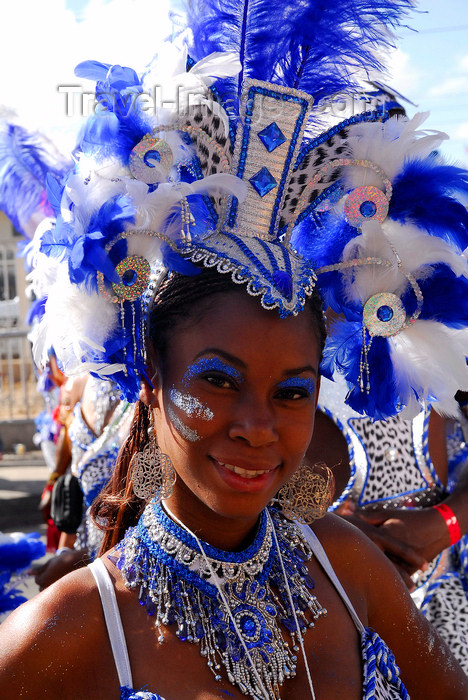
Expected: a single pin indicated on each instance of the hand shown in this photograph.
(422, 529)
(58, 566)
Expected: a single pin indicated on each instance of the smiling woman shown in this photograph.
(184, 261)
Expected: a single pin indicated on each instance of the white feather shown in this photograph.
(77, 322)
(388, 145)
(416, 250)
(430, 357)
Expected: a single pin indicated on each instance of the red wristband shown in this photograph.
(451, 522)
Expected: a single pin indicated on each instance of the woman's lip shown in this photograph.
(255, 480)
(248, 472)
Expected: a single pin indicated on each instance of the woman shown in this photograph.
(224, 195)
(261, 401)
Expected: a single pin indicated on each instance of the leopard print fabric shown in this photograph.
(334, 147)
(391, 467)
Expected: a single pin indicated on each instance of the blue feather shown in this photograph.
(16, 555)
(36, 311)
(423, 194)
(176, 263)
(26, 159)
(342, 355)
(445, 297)
(54, 191)
(305, 44)
(119, 123)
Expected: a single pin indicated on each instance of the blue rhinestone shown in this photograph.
(131, 574)
(150, 157)
(368, 209)
(263, 181)
(129, 278)
(271, 137)
(385, 313)
(183, 633)
(150, 606)
(221, 640)
(289, 623)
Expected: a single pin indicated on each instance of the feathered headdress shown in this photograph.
(27, 159)
(233, 179)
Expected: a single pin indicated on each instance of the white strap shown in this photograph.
(322, 558)
(113, 622)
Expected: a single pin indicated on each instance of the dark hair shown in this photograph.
(178, 299)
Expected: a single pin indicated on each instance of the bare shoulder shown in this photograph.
(48, 642)
(344, 543)
(361, 565)
(428, 667)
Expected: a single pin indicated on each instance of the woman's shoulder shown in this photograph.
(49, 641)
(339, 536)
(348, 548)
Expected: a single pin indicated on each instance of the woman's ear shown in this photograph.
(148, 393)
(151, 382)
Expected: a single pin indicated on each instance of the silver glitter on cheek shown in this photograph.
(183, 430)
(190, 405)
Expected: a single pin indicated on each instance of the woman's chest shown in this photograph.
(183, 670)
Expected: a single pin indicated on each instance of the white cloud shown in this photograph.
(42, 43)
(463, 64)
(461, 132)
(452, 86)
(403, 75)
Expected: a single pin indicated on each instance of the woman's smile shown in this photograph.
(242, 479)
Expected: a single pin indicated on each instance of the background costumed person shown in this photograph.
(162, 227)
(396, 472)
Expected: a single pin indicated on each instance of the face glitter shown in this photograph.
(183, 430)
(298, 383)
(190, 405)
(213, 364)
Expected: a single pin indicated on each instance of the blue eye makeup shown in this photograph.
(304, 383)
(211, 364)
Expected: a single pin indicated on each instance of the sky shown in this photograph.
(43, 41)
(430, 67)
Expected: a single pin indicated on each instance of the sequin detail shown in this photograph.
(143, 156)
(384, 315)
(134, 272)
(366, 203)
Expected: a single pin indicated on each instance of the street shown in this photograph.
(22, 478)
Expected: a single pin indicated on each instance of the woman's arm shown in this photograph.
(56, 645)
(428, 668)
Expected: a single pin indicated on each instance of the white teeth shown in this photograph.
(246, 473)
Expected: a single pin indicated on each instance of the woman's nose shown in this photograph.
(254, 422)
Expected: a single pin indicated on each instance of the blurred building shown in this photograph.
(19, 400)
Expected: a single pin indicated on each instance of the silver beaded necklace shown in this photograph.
(230, 604)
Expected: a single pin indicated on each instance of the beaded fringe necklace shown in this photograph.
(176, 582)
